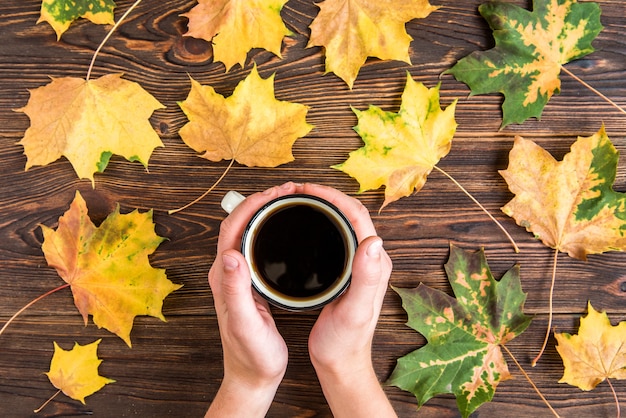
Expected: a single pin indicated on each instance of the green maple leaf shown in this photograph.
(464, 335)
(61, 13)
(531, 48)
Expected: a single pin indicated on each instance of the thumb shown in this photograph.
(236, 285)
(370, 272)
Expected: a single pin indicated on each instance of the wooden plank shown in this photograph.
(174, 368)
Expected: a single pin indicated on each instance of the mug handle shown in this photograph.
(231, 200)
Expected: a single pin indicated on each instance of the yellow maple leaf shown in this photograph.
(250, 126)
(352, 30)
(75, 371)
(401, 148)
(570, 204)
(597, 353)
(88, 121)
(237, 26)
(107, 267)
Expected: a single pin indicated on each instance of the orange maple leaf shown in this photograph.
(570, 205)
(88, 121)
(352, 30)
(250, 126)
(235, 27)
(107, 267)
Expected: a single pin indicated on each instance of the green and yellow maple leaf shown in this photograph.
(531, 48)
(597, 353)
(464, 334)
(251, 126)
(352, 30)
(88, 122)
(569, 205)
(107, 267)
(401, 148)
(61, 13)
(237, 26)
(75, 371)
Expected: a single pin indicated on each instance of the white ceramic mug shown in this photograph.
(299, 249)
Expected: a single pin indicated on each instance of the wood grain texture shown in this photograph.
(174, 367)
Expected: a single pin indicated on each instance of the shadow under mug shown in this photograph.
(299, 249)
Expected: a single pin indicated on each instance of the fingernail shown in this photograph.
(230, 263)
(286, 186)
(375, 248)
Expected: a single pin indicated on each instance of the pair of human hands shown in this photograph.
(255, 354)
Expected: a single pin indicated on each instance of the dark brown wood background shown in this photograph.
(174, 368)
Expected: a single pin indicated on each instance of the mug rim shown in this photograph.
(304, 303)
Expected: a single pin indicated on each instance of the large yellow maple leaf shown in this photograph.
(570, 204)
(237, 26)
(107, 267)
(352, 30)
(250, 126)
(89, 120)
(402, 148)
(597, 353)
(75, 371)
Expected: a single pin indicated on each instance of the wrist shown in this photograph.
(238, 397)
(355, 392)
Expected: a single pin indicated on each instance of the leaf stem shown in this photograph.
(171, 211)
(545, 340)
(108, 35)
(519, 366)
(31, 303)
(515, 247)
(38, 410)
(575, 77)
(614, 397)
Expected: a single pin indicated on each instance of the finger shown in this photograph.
(234, 289)
(370, 274)
(233, 225)
(357, 214)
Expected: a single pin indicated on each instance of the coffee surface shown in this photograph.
(299, 251)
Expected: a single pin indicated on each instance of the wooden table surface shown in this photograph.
(174, 368)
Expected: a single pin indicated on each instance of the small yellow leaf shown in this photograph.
(237, 26)
(107, 267)
(597, 353)
(75, 372)
(88, 121)
(352, 30)
(250, 126)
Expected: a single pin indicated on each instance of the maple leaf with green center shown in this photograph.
(531, 48)
(107, 267)
(250, 126)
(88, 122)
(75, 371)
(401, 148)
(61, 13)
(597, 353)
(352, 30)
(464, 335)
(569, 205)
(237, 26)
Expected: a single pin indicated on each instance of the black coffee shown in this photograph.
(299, 251)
